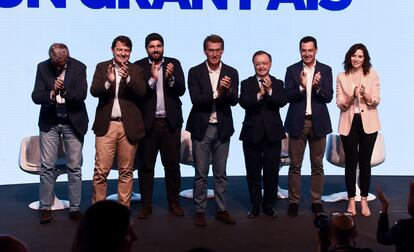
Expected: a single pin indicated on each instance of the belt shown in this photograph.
(212, 124)
(62, 120)
(118, 119)
(308, 117)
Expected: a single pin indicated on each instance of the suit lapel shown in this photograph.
(207, 78)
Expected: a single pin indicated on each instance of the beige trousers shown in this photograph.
(114, 142)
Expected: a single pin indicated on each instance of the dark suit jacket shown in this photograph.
(201, 94)
(401, 234)
(295, 118)
(147, 105)
(262, 118)
(128, 96)
(76, 91)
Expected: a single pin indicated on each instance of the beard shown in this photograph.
(157, 58)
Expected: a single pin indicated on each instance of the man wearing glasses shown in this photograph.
(213, 88)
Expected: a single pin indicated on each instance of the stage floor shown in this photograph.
(164, 232)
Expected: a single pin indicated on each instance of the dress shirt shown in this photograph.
(159, 85)
(310, 71)
(214, 78)
(116, 109)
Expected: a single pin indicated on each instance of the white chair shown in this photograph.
(335, 155)
(29, 161)
(284, 161)
(186, 157)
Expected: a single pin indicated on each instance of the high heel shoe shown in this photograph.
(364, 207)
(351, 206)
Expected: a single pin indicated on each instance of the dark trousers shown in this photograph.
(297, 145)
(358, 147)
(167, 141)
(264, 155)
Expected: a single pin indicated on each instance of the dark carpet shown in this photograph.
(164, 232)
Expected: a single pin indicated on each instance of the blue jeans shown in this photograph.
(49, 149)
(210, 146)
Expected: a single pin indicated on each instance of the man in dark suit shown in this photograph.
(261, 96)
(163, 119)
(118, 125)
(61, 89)
(213, 88)
(308, 85)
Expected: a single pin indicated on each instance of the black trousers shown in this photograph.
(358, 147)
(264, 155)
(160, 138)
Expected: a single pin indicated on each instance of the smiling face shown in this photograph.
(262, 65)
(357, 59)
(121, 53)
(213, 51)
(308, 53)
(155, 50)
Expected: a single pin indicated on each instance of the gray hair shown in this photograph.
(58, 52)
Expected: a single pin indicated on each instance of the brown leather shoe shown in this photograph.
(145, 211)
(45, 216)
(200, 220)
(225, 217)
(176, 209)
(75, 215)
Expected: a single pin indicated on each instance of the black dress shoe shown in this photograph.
(317, 208)
(75, 215)
(145, 211)
(252, 214)
(292, 210)
(45, 216)
(271, 212)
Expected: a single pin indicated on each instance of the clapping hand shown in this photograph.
(169, 72)
(384, 201)
(225, 85)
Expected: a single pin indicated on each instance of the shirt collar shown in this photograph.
(310, 68)
(213, 71)
(150, 61)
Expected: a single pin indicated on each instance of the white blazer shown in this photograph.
(369, 113)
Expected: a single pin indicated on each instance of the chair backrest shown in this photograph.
(186, 148)
(29, 157)
(284, 153)
(335, 151)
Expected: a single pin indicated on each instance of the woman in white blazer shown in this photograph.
(357, 96)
